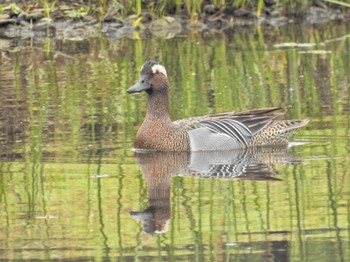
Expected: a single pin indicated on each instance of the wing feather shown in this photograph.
(226, 127)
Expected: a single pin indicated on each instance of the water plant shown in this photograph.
(13, 8)
(77, 13)
(341, 3)
(48, 8)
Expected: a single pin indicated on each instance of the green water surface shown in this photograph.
(72, 188)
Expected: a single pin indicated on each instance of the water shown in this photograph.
(72, 188)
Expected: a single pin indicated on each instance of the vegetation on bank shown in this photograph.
(157, 8)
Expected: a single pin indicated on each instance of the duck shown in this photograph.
(215, 132)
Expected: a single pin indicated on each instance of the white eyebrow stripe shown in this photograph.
(159, 69)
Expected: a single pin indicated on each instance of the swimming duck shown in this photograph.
(225, 131)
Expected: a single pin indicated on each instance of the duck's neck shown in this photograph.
(158, 106)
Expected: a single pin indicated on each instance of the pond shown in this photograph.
(72, 188)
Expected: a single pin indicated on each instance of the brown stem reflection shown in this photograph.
(158, 168)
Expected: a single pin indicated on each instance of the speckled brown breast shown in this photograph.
(156, 135)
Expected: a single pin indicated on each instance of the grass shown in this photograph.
(159, 8)
(341, 3)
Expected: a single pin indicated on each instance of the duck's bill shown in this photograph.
(138, 87)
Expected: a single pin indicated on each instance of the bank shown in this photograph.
(137, 19)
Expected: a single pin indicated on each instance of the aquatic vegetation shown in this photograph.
(49, 7)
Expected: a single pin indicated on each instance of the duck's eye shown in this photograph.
(142, 81)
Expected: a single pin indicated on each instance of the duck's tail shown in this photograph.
(278, 132)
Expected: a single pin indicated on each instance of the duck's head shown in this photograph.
(153, 78)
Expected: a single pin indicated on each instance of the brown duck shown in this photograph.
(225, 131)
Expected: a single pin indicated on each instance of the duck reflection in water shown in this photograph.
(158, 168)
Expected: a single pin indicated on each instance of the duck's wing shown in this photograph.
(250, 115)
(227, 130)
(254, 120)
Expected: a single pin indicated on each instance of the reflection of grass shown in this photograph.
(206, 76)
(78, 114)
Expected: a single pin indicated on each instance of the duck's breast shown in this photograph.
(155, 135)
